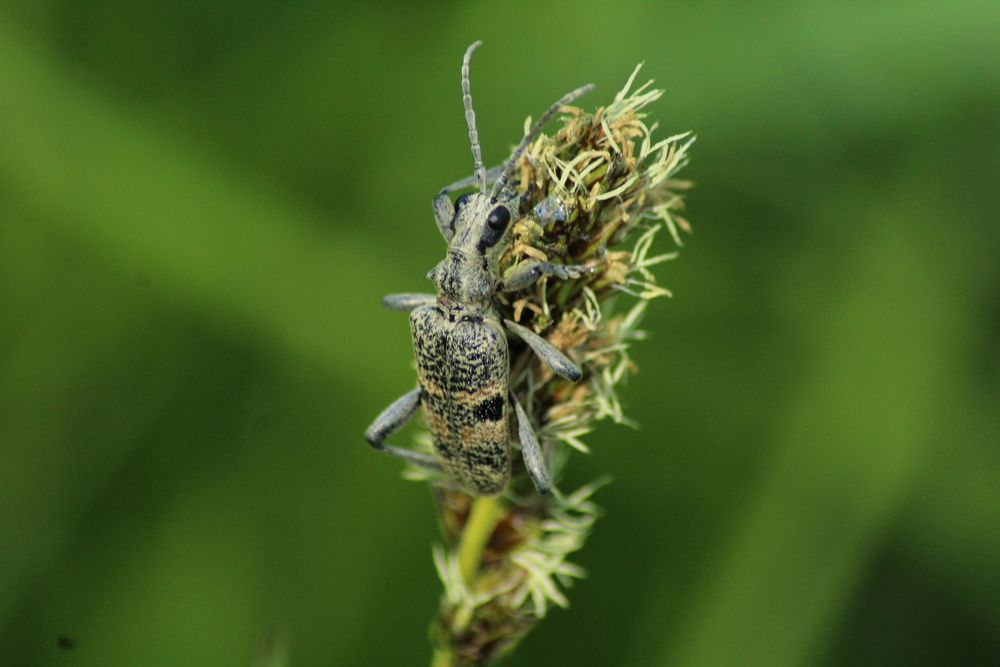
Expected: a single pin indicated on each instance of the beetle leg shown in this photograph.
(527, 273)
(468, 181)
(547, 352)
(391, 420)
(531, 450)
(407, 302)
(444, 215)
(444, 209)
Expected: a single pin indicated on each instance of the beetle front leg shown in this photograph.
(491, 175)
(444, 215)
(529, 272)
(406, 302)
(547, 352)
(391, 420)
(531, 450)
(444, 209)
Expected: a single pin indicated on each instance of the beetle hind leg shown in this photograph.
(391, 420)
(531, 450)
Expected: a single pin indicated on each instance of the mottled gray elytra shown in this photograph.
(459, 340)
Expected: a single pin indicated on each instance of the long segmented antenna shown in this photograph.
(470, 118)
(508, 166)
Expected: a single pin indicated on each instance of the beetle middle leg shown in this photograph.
(391, 420)
(407, 301)
(547, 352)
(527, 273)
(531, 450)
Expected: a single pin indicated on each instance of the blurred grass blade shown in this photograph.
(848, 457)
(109, 178)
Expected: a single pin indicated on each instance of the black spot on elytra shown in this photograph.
(490, 410)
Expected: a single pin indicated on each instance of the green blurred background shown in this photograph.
(201, 206)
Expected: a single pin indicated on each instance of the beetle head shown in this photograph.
(482, 222)
(483, 219)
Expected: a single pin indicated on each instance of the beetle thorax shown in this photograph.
(464, 280)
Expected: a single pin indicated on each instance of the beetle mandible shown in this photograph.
(459, 341)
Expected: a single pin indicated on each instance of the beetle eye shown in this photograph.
(462, 201)
(498, 219)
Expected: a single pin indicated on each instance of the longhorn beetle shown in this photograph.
(458, 338)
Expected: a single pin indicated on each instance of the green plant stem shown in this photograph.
(479, 527)
(443, 657)
(484, 516)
